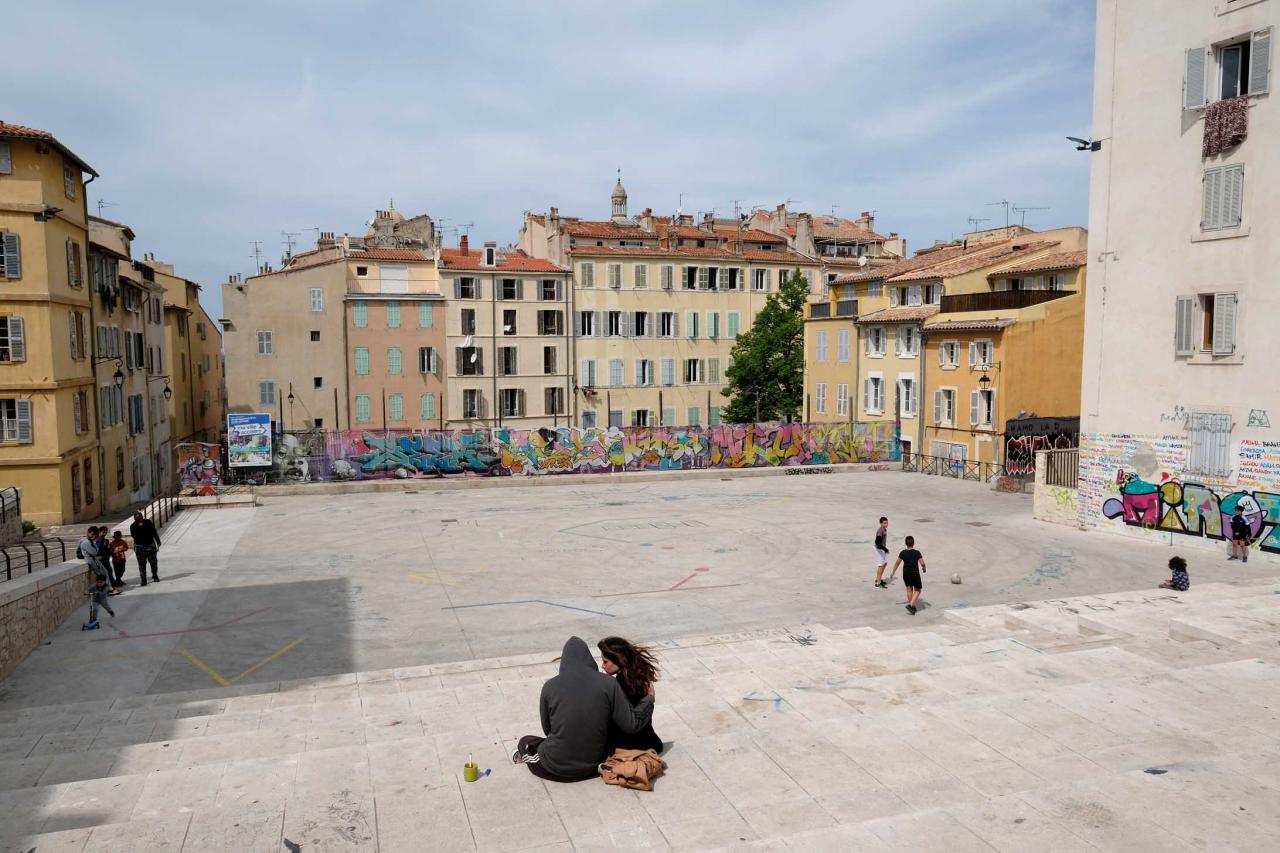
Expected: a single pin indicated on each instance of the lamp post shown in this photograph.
(291, 398)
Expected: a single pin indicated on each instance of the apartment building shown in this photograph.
(657, 304)
(48, 394)
(509, 343)
(1179, 414)
(836, 243)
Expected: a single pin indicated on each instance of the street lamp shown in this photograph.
(168, 392)
(984, 381)
(118, 376)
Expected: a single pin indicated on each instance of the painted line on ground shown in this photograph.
(223, 681)
(530, 601)
(125, 636)
(678, 586)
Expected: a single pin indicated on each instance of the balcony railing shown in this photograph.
(1000, 300)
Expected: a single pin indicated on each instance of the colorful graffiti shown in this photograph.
(1194, 509)
(199, 467)
(365, 454)
(1025, 436)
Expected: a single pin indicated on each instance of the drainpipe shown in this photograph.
(920, 397)
(93, 365)
(493, 343)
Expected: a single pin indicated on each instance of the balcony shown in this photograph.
(819, 310)
(847, 308)
(1000, 300)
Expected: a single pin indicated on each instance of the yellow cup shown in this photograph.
(470, 772)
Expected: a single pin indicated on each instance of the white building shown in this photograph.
(1180, 401)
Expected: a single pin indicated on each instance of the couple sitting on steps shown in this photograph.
(587, 714)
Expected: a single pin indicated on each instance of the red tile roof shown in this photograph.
(839, 228)
(877, 272)
(18, 131)
(972, 259)
(751, 235)
(901, 314)
(980, 325)
(518, 261)
(377, 254)
(1051, 261)
(606, 229)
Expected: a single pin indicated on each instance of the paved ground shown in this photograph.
(310, 586)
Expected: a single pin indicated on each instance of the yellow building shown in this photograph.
(657, 304)
(48, 399)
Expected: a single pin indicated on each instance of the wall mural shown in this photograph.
(1024, 436)
(1137, 481)
(200, 467)
(374, 454)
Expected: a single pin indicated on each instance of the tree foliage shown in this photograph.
(766, 375)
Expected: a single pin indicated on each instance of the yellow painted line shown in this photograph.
(268, 659)
(205, 668)
(227, 682)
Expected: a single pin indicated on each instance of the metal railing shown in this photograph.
(1062, 467)
(960, 469)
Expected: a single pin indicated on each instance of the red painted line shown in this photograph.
(673, 589)
(685, 581)
(180, 630)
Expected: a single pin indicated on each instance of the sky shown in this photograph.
(215, 125)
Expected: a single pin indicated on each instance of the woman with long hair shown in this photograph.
(636, 670)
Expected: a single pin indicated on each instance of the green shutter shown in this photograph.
(362, 407)
(428, 406)
(426, 315)
(362, 361)
(393, 315)
(395, 407)
(359, 314)
(393, 359)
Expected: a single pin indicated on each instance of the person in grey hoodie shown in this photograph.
(576, 708)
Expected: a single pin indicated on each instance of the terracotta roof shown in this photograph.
(969, 325)
(839, 228)
(17, 131)
(750, 235)
(518, 261)
(708, 253)
(1051, 261)
(975, 259)
(389, 255)
(900, 267)
(901, 314)
(606, 229)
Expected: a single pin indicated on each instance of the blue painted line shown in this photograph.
(531, 601)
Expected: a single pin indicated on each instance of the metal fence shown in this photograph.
(1062, 467)
(960, 469)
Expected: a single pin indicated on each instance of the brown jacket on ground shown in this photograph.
(632, 768)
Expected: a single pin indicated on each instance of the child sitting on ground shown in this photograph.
(1180, 580)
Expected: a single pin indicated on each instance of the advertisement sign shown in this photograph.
(248, 440)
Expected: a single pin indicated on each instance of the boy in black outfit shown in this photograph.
(1239, 535)
(912, 563)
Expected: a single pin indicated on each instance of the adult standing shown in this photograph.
(146, 542)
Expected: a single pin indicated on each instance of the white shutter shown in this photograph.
(1184, 334)
(1211, 208)
(1193, 81)
(12, 245)
(866, 395)
(1224, 323)
(1260, 62)
(973, 407)
(23, 411)
(1232, 195)
(6, 158)
(937, 407)
(973, 353)
(639, 371)
(76, 415)
(893, 297)
(17, 340)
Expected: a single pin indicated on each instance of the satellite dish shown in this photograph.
(863, 260)
(506, 328)
(473, 357)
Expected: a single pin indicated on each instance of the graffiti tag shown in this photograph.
(1194, 509)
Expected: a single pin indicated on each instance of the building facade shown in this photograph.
(1179, 415)
(509, 350)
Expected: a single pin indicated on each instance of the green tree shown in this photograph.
(766, 375)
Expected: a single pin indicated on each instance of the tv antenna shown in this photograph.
(975, 221)
(257, 254)
(834, 208)
(104, 203)
(288, 241)
(1022, 211)
(1005, 204)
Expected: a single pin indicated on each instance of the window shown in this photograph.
(644, 371)
(315, 336)
(393, 315)
(551, 322)
(908, 396)
(842, 399)
(615, 418)
(427, 406)
(512, 402)
(713, 416)
(1209, 435)
(668, 275)
(393, 360)
(360, 314)
(944, 406)
(317, 299)
(317, 423)
(70, 177)
(614, 325)
(508, 361)
(949, 355)
(640, 275)
(317, 381)
(587, 274)
(13, 342)
(395, 407)
(641, 327)
(733, 322)
(588, 420)
(908, 341)
(876, 339)
(510, 288)
(693, 371)
(982, 407)
(553, 401)
(704, 278)
(820, 347)
(80, 411)
(75, 273)
(472, 403)
(265, 346)
(820, 398)
(119, 469)
(1218, 323)
(668, 326)
(426, 315)
(586, 324)
(549, 291)
(873, 395)
(75, 483)
(760, 280)
(362, 361)
(713, 325)
(981, 353)
(1242, 67)
(615, 371)
(668, 371)
(587, 378)
(10, 253)
(614, 272)
(466, 288)
(6, 158)
(266, 393)
(548, 360)
(713, 370)
(1223, 197)
(641, 418)
(393, 278)
(428, 360)
(691, 324)
(15, 420)
(693, 416)
(933, 294)
(468, 321)
(509, 321)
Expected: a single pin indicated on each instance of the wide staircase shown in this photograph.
(1141, 721)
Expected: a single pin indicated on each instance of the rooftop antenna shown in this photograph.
(288, 242)
(257, 254)
(104, 203)
(1006, 209)
(975, 221)
(465, 227)
(680, 205)
(834, 208)
(1022, 211)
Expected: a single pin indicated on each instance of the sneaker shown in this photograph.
(1233, 557)
(155, 579)
(1245, 559)
(517, 758)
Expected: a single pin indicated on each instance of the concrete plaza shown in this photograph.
(311, 673)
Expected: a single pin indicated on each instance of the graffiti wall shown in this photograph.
(199, 467)
(1139, 482)
(1024, 436)
(370, 454)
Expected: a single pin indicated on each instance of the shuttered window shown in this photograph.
(6, 158)
(615, 371)
(668, 371)
(1194, 78)
(395, 407)
(1184, 338)
(1222, 198)
(587, 274)
(13, 343)
(15, 421)
(428, 406)
(362, 361)
(820, 347)
(393, 315)
(842, 346)
(733, 324)
(1260, 62)
(266, 393)
(1209, 435)
(362, 407)
(393, 360)
(360, 314)
(11, 259)
(820, 398)
(1224, 323)
(426, 316)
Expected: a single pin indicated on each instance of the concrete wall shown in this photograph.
(1054, 504)
(11, 526)
(32, 606)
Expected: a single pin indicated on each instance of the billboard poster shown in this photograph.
(248, 440)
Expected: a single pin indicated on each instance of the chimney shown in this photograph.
(804, 235)
(708, 222)
(325, 240)
(490, 254)
(464, 245)
(686, 219)
(780, 215)
(866, 221)
(646, 219)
